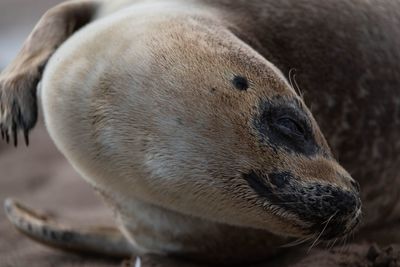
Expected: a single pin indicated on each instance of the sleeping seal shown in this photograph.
(184, 117)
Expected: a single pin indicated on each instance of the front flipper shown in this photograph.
(104, 241)
(18, 82)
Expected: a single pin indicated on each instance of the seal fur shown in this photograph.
(213, 40)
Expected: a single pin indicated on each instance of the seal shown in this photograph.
(184, 117)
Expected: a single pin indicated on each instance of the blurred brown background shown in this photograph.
(39, 175)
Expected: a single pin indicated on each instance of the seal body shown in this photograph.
(183, 116)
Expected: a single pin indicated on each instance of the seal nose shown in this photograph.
(325, 200)
(336, 211)
(328, 208)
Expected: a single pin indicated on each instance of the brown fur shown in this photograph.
(156, 125)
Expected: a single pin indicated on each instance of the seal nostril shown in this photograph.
(356, 185)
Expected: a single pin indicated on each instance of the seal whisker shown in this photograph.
(300, 93)
(333, 243)
(297, 242)
(290, 77)
(319, 236)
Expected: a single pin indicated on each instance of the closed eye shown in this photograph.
(285, 124)
(289, 126)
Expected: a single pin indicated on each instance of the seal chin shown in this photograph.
(333, 228)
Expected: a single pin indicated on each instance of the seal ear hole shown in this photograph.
(240, 83)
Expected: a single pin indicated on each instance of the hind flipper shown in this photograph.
(104, 241)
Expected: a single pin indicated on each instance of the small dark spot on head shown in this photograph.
(240, 83)
(213, 89)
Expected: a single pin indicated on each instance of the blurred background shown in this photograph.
(39, 175)
(17, 17)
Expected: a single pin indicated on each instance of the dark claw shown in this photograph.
(7, 137)
(15, 120)
(15, 135)
(26, 135)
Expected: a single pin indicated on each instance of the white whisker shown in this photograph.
(323, 230)
(297, 242)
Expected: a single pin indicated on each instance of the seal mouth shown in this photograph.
(322, 209)
(337, 228)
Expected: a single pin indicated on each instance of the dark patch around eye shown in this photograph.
(240, 83)
(266, 124)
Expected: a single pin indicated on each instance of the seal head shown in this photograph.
(222, 134)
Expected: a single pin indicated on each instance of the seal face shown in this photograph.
(317, 197)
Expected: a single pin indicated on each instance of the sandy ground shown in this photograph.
(41, 177)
